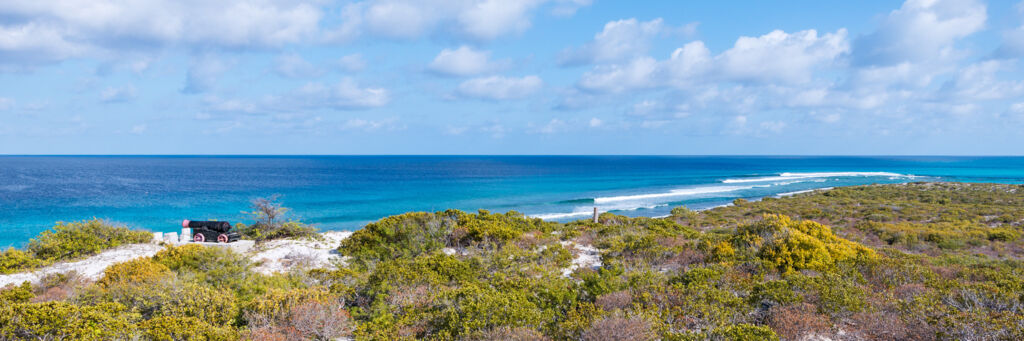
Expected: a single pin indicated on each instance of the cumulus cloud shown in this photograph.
(346, 94)
(56, 30)
(782, 57)
(920, 30)
(372, 125)
(619, 40)
(776, 57)
(637, 74)
(500, 88)
(475, 19)
(463, 61)
(981, 81)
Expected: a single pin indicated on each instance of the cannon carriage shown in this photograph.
(211, 231)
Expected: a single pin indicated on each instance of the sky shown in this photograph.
(939, 77)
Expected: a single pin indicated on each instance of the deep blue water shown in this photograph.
(346, 192)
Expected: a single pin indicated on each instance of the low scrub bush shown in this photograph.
(67, 241)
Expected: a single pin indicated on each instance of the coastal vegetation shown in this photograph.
(918, 261)
(67, 241)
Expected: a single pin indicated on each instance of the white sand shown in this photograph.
(91, 267)
(272, 256)
(282, 255)
(587, 256)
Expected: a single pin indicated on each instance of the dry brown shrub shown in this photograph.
(795, 322)
(907, 292)
(510, 334)
(456, 236)
(685, 259)
(528, 241)
(306, 321)
(56, 287)
(887, 325)
(271, 333)
(616, 300)
(616, 328)
(322, 321)
(417, 296)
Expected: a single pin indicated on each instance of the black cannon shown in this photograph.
(219, 231)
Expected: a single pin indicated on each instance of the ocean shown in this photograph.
(347, 192)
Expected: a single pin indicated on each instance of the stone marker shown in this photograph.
(171, 237)
(158, 237)
(186, 235)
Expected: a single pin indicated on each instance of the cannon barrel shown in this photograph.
(219, 226)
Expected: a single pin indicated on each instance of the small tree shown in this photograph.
(268, 212)
(271, 222)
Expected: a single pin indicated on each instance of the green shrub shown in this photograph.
(12, 260)
(743, 332)
(72, 240)
(64, 321)
(67, 241)
(175, 328)
(220, 267)
(796, 245)
(141, 270)
(16, 294)
(474, 308)
(406, 235)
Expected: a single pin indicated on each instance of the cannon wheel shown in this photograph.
(222, 238)
(199, 238)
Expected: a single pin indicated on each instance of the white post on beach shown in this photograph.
(158, 237)
(595, 214)
(186, 235)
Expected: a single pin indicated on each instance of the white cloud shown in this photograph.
(475, 19)
(782, 57)
(463, 61)
(920, 30)
(490, 19)
(981, 81)
(292, 65)
(637, 74)
(500, 88)
(6, 103)
(595, 122)
(117, 95)
(34, 43)
(389, 124)
(352, 63)
(71, 26)
(347, 94)
(776, 57)
(138, 129)
(398, 19)
(619, 40)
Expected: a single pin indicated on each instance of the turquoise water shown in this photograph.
(346, 192)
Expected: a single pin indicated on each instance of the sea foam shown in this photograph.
(802, 176)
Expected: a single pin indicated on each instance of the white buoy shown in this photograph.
(186, 235)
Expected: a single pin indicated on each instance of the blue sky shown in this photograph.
(511, 77)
